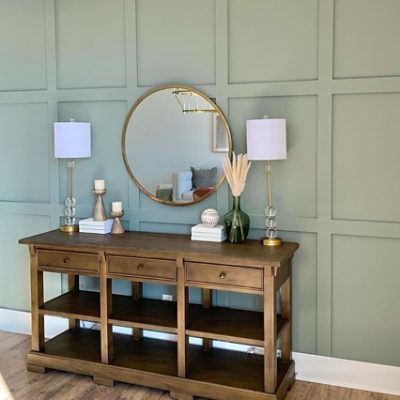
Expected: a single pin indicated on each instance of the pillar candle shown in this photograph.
(116, 206)
(99, 184)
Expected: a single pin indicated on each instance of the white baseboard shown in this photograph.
(347, 373)
(309, 367)
(20, 322)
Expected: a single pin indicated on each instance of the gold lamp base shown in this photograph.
(271, 242)
(69, 228)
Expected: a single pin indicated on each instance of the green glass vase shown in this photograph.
(237, 223)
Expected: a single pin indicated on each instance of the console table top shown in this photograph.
(166, 245)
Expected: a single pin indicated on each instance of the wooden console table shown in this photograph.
(183, 369)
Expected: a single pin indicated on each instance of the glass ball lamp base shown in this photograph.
(70, 211)
(271, 234)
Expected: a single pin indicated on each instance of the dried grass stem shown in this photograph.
(236, 172)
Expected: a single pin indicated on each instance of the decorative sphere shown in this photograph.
(270, 212)
(209, 217)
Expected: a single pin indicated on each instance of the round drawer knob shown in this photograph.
(140, 267)
(66, 260)
(222, 275)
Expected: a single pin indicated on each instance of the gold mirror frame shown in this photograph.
(123, 143)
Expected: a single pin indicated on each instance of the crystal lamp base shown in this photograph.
(271, 233)
(69, 212)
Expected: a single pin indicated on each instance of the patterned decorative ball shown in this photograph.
(209, 217)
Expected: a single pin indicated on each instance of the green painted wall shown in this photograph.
(331, 67)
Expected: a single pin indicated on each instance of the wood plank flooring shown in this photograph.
(16, 383)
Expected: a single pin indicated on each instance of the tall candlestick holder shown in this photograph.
(99, 213)
(117, 227)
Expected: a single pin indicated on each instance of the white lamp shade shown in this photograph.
(72, 140)
(266, 139)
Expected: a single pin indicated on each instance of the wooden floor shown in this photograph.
(16, 383)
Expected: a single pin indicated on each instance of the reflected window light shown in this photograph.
(191, 102)
(5, 393)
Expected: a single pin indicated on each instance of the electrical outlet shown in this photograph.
(255, 350)
(167, 297)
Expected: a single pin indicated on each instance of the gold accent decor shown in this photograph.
(182, 88)
(69, 228)
(117, 227)
(99, 213)
(188, 101)
(271, 242)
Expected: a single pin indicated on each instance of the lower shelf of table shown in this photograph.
(221, 367)
(218, 323)
(159, 356)
(230, 368)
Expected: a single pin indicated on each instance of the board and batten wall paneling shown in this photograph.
(365, 42)
(330, 67)
(305, 306)
(106, 118)
(267, 40)
(175, 41)
(295, 193)
(22, 45)
(90, 43)
(24, 153)
(366, 160)
(365, 286)
(14, 260)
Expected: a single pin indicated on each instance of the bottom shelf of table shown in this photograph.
(230, 368)
(153, 362)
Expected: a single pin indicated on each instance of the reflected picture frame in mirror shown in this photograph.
(139, 134)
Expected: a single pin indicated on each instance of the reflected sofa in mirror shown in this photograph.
(173, 142)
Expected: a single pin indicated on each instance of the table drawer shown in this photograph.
(142, 267)
(65, 260)
(224, 275)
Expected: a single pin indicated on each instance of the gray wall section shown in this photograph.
(330, 67)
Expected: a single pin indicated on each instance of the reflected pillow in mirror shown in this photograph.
(181, 183)
(204, 178)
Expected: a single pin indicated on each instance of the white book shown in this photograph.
(100, 227)
(200, 228)
(98, 231)
(90, 224)
(90, 228)
(208, 239)
(211, 235)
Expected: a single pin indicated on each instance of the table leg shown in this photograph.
(286, 311)
(36, 302)
(206, 295)
(73, 285)
(182, 298)
(105, 311)
(270, 321)
(137, 290)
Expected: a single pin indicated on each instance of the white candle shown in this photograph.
(116, 206)
(99, 184)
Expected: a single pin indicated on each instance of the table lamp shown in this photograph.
(71, 140)
(266, 140)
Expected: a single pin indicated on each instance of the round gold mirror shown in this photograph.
(173, 142)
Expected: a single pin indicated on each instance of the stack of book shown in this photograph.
(208, 234)
(90, 226)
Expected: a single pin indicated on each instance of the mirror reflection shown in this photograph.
(174, 139)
